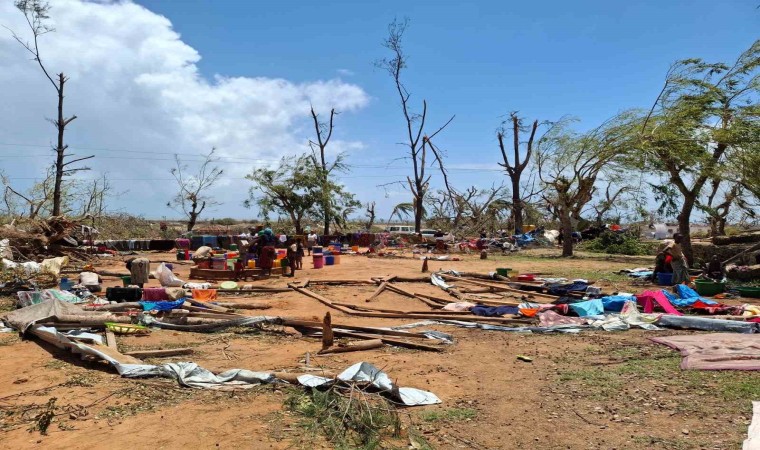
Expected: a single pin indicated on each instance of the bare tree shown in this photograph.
(516, 168)
(370, 216)
(612, 195)
(191, 199)
(417, 141)
(324, 131)
(36, 14)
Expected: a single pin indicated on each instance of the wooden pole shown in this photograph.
(327, 332)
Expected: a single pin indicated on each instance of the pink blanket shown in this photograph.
(716, 351)
(647, 299)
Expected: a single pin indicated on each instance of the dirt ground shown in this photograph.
(593, 390)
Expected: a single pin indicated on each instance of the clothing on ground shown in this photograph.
(588, 308)
(493, 311)
(716, 351)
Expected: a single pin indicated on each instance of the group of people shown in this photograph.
(263, 248)
(670, 259)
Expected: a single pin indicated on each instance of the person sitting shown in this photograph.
(714, 270)
(90, 280)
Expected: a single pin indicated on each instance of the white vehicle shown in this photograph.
(400, 229)
(429, 234)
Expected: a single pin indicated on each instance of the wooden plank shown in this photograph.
(111, 339)
(380, 331)
(160, 353)
(499, 287)
(378, 291)
(201, 304)
(390, 341)
(358, 346)
(327, 333)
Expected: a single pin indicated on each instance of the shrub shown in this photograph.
(619, 244)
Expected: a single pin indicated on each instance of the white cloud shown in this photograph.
(346, 72)
(134, 85)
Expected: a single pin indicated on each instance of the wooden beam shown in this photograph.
(389, 341)
(373, 330)
(358, 346)
(111, 339)
(160, 353)
(378, 291)
(499, 287)
(327, 332)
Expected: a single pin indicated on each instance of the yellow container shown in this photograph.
(251, 263)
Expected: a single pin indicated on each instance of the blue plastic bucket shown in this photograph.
(665, 279)
(329, 260)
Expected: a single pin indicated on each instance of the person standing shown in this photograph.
(679, 264)
(291, 257)
(139, 269)
(311, 241)
(299, 254)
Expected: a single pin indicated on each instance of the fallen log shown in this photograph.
(358, 346)
(159, 353)
(245, 305)
(111, 340)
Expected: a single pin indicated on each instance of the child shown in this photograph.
(299, 254)
(291, 257)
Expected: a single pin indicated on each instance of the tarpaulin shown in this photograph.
(701, 323)
(588, 308)
(162, 305)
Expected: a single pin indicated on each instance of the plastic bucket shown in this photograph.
(233, 247)
(180, 255)
(329, 260)
(665, 278)
(336, 258)
(709, 288)
(319, 261)
(355, 248)
(503, 271)
(251, 263)
(126, 281)
(65, 284)
(316, 250)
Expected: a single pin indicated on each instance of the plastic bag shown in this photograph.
(53, 265)
(166, 277)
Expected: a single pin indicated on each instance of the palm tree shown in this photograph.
(402, 210)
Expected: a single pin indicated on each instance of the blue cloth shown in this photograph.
(616, 302)
(687, 297)
(162, 305)
(684, 291)
(642, 274)
(588, 308)
(562, 289)
(493, 311)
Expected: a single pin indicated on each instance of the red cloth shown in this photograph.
(266, 260)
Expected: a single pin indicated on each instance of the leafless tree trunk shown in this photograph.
(417, 142)
(324, 133)
(191, 198)
(515, 170)
(36, 12)
(370, 216)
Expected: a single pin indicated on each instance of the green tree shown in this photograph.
(569, 165)
(705, 117)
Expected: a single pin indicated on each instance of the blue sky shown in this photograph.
(476, 60)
